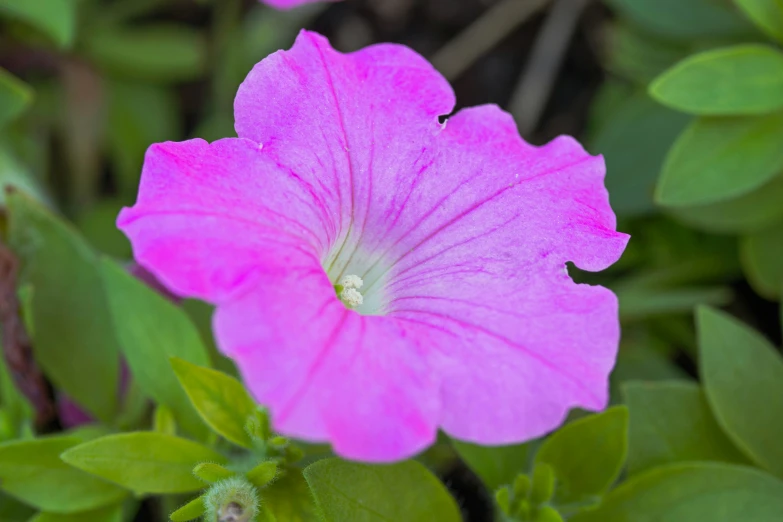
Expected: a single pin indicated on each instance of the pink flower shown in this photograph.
(288, 4)
(466, 319)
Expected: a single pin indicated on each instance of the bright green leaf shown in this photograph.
(693, 492)
(766, 14)
(671, 422)
(717, 159)
(106, 514)
(684, 19)
(634, 139)
(190, 511)
(210, 472)
(73, 339)
(739, 80)
(743, 380)
(162, 53)
(56, 18)
(288, 499)
(32, 471)
(368, 493)
(144, 462)
(220, 399)
(163, 421)
(262, 474)
(762, 260)
(151, 329)
(587, 454)
(15, 95)
(495, 465)
(748, 213)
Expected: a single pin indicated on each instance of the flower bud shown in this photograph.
(231, 500)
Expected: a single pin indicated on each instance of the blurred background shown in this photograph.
(87, 85)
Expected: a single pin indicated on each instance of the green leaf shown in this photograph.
(14, 173)
(495, 465)
(163, 421)
(144, 461)
(33, 472)
(684, 19)
(587, 454)
(693, 492)
(762, 260)
(151, 329)
(160, 53)
(210, 472)
(766, 14)
(717, 159)
(738, 80)
(748, 213)
(73, 340)
(221, 400)
(743, 379)
(15, 96)
(671, 422)
(366, 493)
(640, 303)
(190, 511)
(263, 474)
(288, 499)
(640, 56)
(11, 510)
(56, 18)
(634, 139)
(97, 225)
(106, 514)
(15, 407)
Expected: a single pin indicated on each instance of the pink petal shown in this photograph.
(461, 232)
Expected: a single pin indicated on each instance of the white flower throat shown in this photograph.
(348, 291)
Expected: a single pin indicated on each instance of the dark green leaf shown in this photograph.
(717, 159)
(151, 329)
(684, 19)
(162, 53)
(73, 339)
(56, 18)
(766, 14)
(99, 228)
(672, 422)
(587, 454)
(693, 492)
(638, 303)
(743, 379)
(15, 95)
(221, 400)
(107, 514)
(748, 213)
(144, 462)
(366, 493)
(495, 465)
(762, 259)
(738, 80)
(33, 472)
(640, 56)
(12, 510)
(634, 139)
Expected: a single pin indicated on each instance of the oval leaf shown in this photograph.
(693, 492)
(762, 260)
(32, 471)
(766, 14)
(221, 400)
(587, 454)
(497, 465)
(717, 159)
(144, 462)
(151, 329)
(366, 493)
(743, 379)
(671, 422)
(743, 79)
(73, 339)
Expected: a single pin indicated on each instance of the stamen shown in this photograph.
(348, 291)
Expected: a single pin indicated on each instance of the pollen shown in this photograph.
(349, 291)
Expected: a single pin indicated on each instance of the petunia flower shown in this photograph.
(289, 4)
(379, 274)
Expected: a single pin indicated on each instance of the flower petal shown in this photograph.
(482, 259)
(208, 215)
(328, 373)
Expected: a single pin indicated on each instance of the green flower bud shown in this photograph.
(231, 500)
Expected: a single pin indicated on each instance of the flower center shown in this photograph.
(348, 291)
